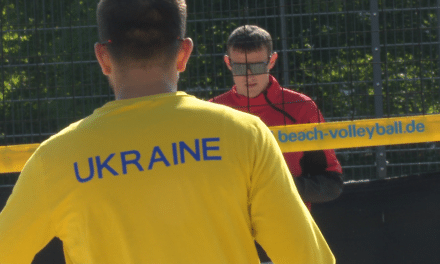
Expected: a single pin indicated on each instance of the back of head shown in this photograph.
(249, 38)
(141, 30)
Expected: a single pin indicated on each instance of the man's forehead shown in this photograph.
(258, 55)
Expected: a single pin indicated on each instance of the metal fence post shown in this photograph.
(2, 85)
(284, 44)
(438, 25)
(381, 168)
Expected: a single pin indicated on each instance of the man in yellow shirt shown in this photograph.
(158, 176)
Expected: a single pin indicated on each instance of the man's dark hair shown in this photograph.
(249, 38)
(141, 30)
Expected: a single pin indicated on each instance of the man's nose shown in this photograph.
(249, 73)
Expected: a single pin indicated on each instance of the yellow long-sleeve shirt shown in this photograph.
(160, 179)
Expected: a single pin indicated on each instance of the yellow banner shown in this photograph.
(358, 133)
(334, 135)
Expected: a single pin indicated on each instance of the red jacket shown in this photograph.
(298, 109)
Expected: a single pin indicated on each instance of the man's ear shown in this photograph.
(103, 57)
(186, 48)
(228, 62)
(272, 60)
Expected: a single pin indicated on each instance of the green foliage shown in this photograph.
(49, 74)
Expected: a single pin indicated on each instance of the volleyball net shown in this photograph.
(358, 60)
(305, 137)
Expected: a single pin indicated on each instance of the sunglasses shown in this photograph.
(240, 69)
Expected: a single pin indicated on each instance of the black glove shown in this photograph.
(316, 185)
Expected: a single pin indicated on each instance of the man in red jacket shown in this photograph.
(317, 174)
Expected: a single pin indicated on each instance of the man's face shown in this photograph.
(251, 84)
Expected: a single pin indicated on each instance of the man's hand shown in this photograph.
(316, 184)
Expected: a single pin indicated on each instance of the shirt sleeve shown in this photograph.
(311, 114)
(281, 223)
(25, 220)
(321, 173)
